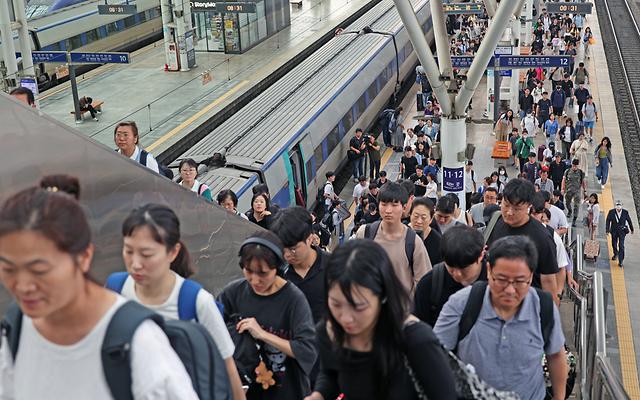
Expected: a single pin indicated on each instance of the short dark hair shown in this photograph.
(20, 90)
(383, 173)
(329, 174)
(190, 162)
(292, 225)
(261, 188)
(513, 248)
(373, 185)
(537, 204)
(461, 246)
(130, 124)
(227, 194)
(519, 191)
(358, 130)
(445, 205)
(546, 195)
(423, 201)
(409, 186)
(393, 192)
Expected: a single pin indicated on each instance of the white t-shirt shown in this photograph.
(45, 370)
(561, 253)
(359, 190)
(208, 313)
(558, 218)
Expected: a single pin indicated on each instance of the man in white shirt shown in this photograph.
(359, 190)
(469, 182)
(329, 193)
(558, 219)
(126, 138)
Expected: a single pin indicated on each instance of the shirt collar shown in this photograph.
(524, 313)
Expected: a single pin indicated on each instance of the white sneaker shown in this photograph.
(95, 119)
(602, 187)
(98, 111)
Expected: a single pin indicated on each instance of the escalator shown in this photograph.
(35, 145)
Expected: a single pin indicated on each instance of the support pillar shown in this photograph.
(8, 48)
(182, 14)
(528, 26)
(167, 20)
(453, 142)
(25, 40)
(516, 29)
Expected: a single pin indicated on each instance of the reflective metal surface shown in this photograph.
(34, 145)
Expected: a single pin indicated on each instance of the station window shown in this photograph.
(318, 155)
(310, 169)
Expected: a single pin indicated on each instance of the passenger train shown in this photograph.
(298, 129)
(65, 25)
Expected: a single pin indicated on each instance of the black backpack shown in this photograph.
(370, 231)
(474, 305)
(191, 341)
(163, 169)
(437, 281)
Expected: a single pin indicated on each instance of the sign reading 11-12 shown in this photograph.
(453, 179)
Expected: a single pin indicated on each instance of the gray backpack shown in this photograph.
(190, 340)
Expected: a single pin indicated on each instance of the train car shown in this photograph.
(79, 27)
(299, 128)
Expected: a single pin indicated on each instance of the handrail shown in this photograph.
(599, 315)
(608, 382)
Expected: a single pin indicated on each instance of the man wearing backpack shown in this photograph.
(408, 255)
(462, 248)
(574, 184)
(518, 324)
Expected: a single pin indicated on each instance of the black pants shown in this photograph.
(580, 111)
(91, 110)
(374, 169)
(617, 242)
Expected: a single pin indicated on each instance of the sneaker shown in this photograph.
(620, 265)
(98, 111)
(95, 119)
(602, 187)
(615, 256)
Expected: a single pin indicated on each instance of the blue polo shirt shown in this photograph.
(506, 354)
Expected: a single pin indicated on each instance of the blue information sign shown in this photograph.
(534, 61)
(453, 179)
(100, 58)
(47, 56)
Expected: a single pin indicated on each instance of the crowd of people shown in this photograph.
(385, 315)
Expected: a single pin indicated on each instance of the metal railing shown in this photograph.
(598, 381)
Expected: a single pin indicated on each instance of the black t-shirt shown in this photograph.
(420, 190)
(567, 85)
(410, 164)
(534, 230)
(526, 103)
(356, 143)
(357, 374)
(371, 218)
(313, 284)
(544, 106)
(285, 314)
(432, 243)
(424, 307)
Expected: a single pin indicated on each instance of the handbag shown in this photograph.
(468, 385)
(592, 40)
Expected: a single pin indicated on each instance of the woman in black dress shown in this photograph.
(370, 346)
(420, 216)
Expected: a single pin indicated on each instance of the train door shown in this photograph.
(296, 161)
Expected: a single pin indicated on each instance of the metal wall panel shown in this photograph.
(33, 145)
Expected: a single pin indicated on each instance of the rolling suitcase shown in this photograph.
(591, 249)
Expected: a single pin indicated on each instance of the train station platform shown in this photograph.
(621, 284)
(168, 105)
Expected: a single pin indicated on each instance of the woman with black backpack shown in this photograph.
(370, 346)
(52, 340)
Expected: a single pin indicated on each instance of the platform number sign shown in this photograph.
(453, 179)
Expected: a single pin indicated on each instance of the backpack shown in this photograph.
(437, 281)
(320, 195)
(370, 231)
(472, 309)
(186, 297)
(191, 342)
(163, 169)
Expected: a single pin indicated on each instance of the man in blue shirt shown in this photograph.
(557, 100)
(506, 343)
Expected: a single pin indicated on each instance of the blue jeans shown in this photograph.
(358, 167)
(602, 170)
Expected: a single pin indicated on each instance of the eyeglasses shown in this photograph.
(293, 249)
(518, 284)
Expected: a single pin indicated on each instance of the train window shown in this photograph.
(408, 48)
(142, 17)
(332, 140)
(355, 111)
(310, 169)
(318, 153)
(130, 21)
(119, 25)
(372, 92)
(401, 56)
(111, 28)
(362, 103)
(92, 35)
(347, 122)
(102, 32)
(73, 42)
(325, 152)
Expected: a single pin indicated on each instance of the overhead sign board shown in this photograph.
(503, 51)
(533, 61)
(569, 8)
(31, 83)
(463, 8)
(117, 9)
(47, 56)
(100, 58)
(453, 179)
(229, 7)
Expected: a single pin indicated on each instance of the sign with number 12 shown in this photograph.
(453, 179)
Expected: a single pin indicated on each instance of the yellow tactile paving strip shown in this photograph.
(623, 322)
